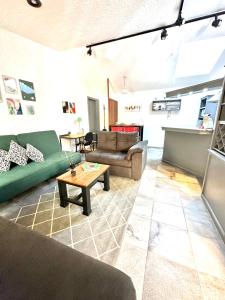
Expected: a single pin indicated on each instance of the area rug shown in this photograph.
(99, 235)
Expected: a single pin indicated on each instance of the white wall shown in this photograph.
(57, 76)
(72, 76)
(154, 120)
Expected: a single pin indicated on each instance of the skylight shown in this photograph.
(199, 58)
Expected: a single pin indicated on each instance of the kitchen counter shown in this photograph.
(187, 148)
(188, 130)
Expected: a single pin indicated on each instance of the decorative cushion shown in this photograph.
(17, 154)
(107, 140)
(125, 140)
(34, 154)
(4, 161)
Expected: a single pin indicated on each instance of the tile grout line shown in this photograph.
(195, 263)
(150, 227)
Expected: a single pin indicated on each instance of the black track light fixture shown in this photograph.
(216, 22)
(89, 52)
(164, 34)
(34, 3)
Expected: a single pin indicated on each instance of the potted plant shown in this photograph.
(78, 121)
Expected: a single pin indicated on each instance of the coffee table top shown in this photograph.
(82, 178)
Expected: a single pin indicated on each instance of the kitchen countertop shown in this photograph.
(188, 130)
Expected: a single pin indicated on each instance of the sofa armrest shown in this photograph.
(137, 148)
(37, 267)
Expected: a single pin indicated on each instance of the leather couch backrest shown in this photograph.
(45, 141)
(107, 140)
(126, 140)
(116, 141)
(5, 141)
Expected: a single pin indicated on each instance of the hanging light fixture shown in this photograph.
(216, 22)
(34, 3)
(164, 34)
(124, 90)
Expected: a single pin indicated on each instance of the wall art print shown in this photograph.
(133, 108)
(68, 107)
(10, 84)
(14, 106)
(30, 109)
(27, 90)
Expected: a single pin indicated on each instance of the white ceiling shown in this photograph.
(147, 61)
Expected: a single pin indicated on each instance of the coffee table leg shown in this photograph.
(106, 181)
(63, 194)
(86, 201)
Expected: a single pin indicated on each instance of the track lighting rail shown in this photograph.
(177, 23)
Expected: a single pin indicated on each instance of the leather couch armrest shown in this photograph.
(137, 148)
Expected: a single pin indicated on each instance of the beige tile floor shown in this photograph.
(172, 249)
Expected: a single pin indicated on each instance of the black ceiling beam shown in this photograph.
(157, 29)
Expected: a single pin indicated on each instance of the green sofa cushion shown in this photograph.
(21, 178)
(45, 141)
(5, 141)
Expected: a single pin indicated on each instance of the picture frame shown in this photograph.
(27, 90)
(132, 108)
(10, 84)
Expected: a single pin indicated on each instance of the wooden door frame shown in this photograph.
(109, 99)
(96, 101)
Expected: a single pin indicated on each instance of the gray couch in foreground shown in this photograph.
(36, 267)
(122, 151)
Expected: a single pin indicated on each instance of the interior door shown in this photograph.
(93, 114)
(113, 112)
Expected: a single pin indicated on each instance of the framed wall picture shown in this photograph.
(68, 107)
(10, 84)
(72, 108)
(132, 108)
(14, 106)
(30, 109)
(65, 107)
(27, 90)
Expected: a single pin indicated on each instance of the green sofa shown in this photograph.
(20, 178)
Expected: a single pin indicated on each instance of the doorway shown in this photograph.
(113, 112)
(93, 114)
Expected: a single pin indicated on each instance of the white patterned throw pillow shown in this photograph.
(17, 154)
(34, 154)
(4, 161)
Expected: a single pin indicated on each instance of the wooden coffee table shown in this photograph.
(85, 180)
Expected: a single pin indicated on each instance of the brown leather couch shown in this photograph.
(122, 151)
(36, 267)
